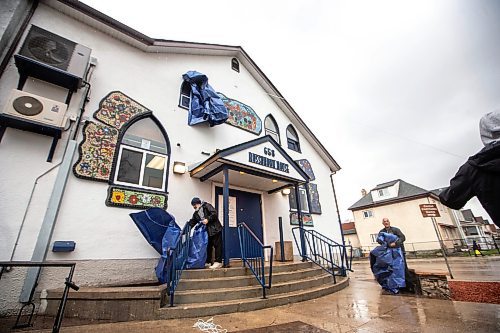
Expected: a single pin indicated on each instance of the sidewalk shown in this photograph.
(359, 308)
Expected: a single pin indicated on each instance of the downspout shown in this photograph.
(50, 218)
(338, 217)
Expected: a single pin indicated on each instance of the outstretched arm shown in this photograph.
(459, 191)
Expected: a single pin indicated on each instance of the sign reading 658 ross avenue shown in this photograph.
(429, 210)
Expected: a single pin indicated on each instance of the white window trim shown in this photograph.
(374, 240)
(307, 199)
(367, 217)
(143, 165)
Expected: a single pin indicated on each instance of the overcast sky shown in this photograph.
(394, 89)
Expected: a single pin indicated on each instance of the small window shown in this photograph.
(185, 96)
(383, 192)
(235, 65)
(304, 203)
(373, 237)
(142, 158)
(292, 139)
(272, 129)
(367, 214)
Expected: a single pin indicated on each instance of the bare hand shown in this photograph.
(392, 245)
(205, 221)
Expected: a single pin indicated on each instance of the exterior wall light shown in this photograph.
(285, 191)
(180, 168)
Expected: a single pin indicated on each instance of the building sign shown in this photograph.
(268, 161)
(429, 210)
(232, 211)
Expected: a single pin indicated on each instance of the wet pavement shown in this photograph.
(359, 308)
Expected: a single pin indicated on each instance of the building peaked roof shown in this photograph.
(406, 191)
(104, 23)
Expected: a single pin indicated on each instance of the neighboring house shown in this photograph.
(399, 201)
(351, 238)
(133, 148)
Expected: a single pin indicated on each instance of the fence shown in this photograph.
(453, 247)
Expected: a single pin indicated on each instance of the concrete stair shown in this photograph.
(200, 293)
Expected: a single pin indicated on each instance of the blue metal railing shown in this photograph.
(176, 261)
(252, 255)
(331, 256)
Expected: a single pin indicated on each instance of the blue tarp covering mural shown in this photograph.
(206, 105)
(387, 263)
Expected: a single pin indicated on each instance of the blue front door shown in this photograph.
(248, 210)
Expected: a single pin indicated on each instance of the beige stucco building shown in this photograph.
(399, 201)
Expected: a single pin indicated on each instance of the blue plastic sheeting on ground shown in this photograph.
(153, 223)
(206, 105)
(387, 264)
(198, 248)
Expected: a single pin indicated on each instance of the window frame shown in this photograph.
(370, 213)
(235, 65)
(143, 167)
(182, 95)
(374, 239)
(293, 144)
(302, 190)
(383, 192)
(266, 130)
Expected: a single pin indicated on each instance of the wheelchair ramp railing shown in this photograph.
(253, 257)
(331, 256)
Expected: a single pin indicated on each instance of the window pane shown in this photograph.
(145, 134)
(291, 134)
(270, 125)
(153, 172)
(303, 200)
(274, 135)
(130, 166)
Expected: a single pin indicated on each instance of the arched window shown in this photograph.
(271, 128)
(185, 95)
(143, 156)
(235, 65)
(292, 139)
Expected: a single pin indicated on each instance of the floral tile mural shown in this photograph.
(132, 198)
(305, 165)
(307, 219)
(242, 115)
(116, 109)
(97, 151)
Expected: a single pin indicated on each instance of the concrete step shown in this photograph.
(198, 310)
(245, 280)
(236, 293)
(237, 269)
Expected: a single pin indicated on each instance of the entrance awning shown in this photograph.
(260, 164)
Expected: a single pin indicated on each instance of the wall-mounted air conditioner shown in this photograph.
(52, 58)
(35, 109)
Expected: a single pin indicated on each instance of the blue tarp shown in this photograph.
(387, 264)
(198, 248)
(205, 105)
(161, 231)
(153, 223)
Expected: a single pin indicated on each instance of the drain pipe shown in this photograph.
(338, 216)
(49, 220)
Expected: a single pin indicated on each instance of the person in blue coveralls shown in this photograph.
(206, 214)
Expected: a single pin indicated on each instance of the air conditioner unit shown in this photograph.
(52, 58)
(35, 109)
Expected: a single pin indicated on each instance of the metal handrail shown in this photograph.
(176, 261)
(67, 284)
(252, 255)
(328, 254)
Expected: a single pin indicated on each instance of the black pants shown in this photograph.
(214, 241)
